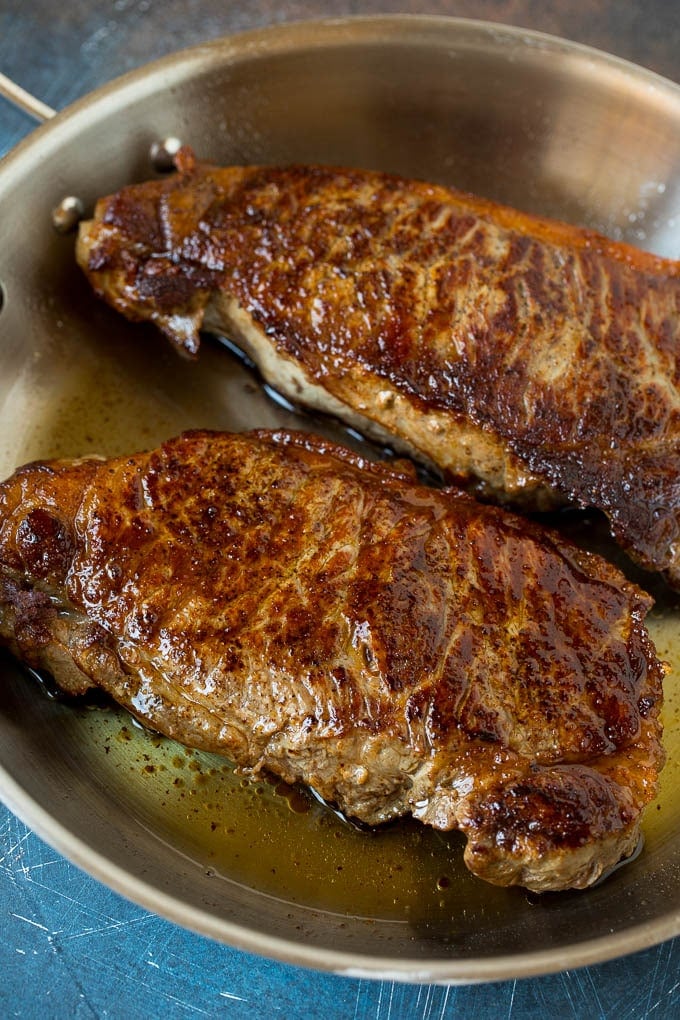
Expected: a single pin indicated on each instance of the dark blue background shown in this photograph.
(71, 948)
(68, 946)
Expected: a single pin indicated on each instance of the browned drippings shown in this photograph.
(273, 837)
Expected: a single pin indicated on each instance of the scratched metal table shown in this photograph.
(71, 948)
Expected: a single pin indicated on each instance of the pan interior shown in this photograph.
(543, 125)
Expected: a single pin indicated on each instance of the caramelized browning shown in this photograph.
(281, 601)
(530, 360)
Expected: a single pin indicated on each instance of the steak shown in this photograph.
(401, 649)
(531, 361)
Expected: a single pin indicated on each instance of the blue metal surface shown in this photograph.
(71, 948)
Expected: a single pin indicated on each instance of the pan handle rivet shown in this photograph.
(67, 214)
(162, 154)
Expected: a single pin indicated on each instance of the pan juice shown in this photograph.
(262, 833)
(276, 838)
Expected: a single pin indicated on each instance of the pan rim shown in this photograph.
(343, 963)
(315, 34)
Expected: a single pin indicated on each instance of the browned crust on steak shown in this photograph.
(533, 359)
(283, 602)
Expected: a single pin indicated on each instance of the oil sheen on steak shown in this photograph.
(401, 649)
(533, 360)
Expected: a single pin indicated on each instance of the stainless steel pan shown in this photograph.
(533, 121)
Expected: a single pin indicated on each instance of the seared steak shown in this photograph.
(283, 602)
(533, 360)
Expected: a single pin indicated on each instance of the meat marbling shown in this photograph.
(533, 360)
(402, 649)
